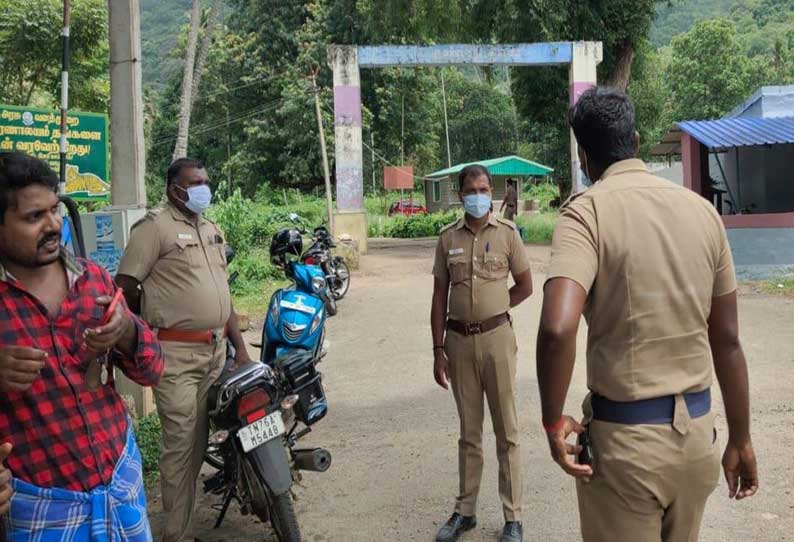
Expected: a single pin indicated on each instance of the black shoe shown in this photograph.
(513, 532)
(456, 526)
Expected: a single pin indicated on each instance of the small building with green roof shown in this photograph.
(441, 187)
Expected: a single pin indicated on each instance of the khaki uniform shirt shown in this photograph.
(651, 255)
(477, 266)
(181, 266)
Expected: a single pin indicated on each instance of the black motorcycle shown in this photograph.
(337, 274)
(257, 415)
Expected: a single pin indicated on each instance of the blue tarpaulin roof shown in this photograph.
(740, 132)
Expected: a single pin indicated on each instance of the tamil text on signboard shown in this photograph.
(36, 131)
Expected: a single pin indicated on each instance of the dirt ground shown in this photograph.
(392, 431)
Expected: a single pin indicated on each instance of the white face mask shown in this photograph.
(198, 198)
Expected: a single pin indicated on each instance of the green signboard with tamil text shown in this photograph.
(36, 132)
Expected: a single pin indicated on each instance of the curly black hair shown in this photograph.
(473, 171)
(603, 122)
(18, 171)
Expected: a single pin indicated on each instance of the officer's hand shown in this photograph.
(20, 367)
(741, 472)
(5, 479)
(441, 368)
(109, 334)
(561, 451)
(241, 357)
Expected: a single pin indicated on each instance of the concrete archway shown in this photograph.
(346, 61)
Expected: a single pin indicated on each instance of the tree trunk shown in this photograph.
(621, 74)
(180, 149)
(209, 30)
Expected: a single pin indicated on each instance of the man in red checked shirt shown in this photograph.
(75, 468)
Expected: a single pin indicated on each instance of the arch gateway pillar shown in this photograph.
(346, 60)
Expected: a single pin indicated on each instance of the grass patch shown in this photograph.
(538, 228)
(779, 286)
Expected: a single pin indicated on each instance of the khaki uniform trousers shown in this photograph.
(181, 396)
(650, 482)
(486, 364)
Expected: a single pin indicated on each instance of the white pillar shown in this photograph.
(351, 218)
(127, 158)
(586, 55)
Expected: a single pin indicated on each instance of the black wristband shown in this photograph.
(438, 347)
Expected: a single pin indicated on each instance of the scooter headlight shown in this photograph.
(318, 283)
(274, 312)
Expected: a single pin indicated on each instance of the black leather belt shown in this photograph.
(474, 328)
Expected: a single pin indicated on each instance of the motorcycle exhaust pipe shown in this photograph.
(313, 459)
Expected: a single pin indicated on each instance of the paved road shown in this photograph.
(393, 432)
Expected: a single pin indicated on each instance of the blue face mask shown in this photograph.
(477, 205)
(198, 198)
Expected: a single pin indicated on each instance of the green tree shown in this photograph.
(541, 93)
(709, 74)
(482, 122)
(30, 53)
(649, 92)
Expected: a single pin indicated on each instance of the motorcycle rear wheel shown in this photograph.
(213, 457)
(283, 518)
(340, 286)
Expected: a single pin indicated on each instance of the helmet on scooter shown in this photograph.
(286, 242)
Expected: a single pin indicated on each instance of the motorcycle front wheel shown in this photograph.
(341, 280)
(283, 518)
(330, 305)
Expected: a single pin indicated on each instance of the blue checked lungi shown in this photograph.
(105, 514)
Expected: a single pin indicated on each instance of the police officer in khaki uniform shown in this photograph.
(477, 356)
(174, 273)
(510, 201)
(648, 264)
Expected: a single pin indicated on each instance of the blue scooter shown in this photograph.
(295, 321)
(296, 315)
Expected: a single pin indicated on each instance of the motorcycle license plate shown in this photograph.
(261, 431)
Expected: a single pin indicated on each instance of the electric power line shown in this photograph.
(204, 128)
(377, 154)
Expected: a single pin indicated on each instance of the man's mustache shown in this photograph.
(49, 237)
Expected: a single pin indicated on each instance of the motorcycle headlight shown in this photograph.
(318, 283)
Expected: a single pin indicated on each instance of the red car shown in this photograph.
(406, 208)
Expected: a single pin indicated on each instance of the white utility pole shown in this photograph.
(446, 123)
(329, 202)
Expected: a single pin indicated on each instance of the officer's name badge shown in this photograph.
(185, 236)
(454, 251)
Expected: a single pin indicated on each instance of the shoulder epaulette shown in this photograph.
(571, 199)
(450, 226)
(506, 222)
(151, 214)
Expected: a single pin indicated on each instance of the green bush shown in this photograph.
(428, 225)
(147, 434)
(544, 191)
(253, 268)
